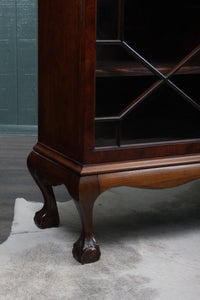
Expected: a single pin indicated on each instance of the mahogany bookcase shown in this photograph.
(119, 102)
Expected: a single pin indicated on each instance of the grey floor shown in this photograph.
(16, 181)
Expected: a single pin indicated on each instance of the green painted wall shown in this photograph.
(18, 63)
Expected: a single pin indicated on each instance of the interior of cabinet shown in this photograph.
(147, 72)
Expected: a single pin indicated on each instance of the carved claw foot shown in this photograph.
(44, 219)
(86, 250)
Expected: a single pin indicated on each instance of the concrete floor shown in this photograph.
(15, 179)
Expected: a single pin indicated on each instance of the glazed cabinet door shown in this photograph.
(147, 73)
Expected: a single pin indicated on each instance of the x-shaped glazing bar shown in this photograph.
(164, 79)
(152, 88)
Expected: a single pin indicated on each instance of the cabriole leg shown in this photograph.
(48, 216)
(86, 250)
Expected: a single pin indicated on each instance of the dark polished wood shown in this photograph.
(48, 216)
(132, 68)
(65, 152)
(86, 249)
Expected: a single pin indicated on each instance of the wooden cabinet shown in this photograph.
(119, 102)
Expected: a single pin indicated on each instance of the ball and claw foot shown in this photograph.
(86, 250)
(44, 219)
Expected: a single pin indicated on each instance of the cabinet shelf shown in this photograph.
(115, 68)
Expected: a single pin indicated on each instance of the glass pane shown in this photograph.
(161, 32)
(113, 94)
(107, 19)
(105, 134)
(164, 116)
(113, 60)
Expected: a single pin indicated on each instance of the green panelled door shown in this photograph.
(18, 64)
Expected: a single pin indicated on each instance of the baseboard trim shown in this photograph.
(19, 130)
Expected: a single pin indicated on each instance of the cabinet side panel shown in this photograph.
(59, 34)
